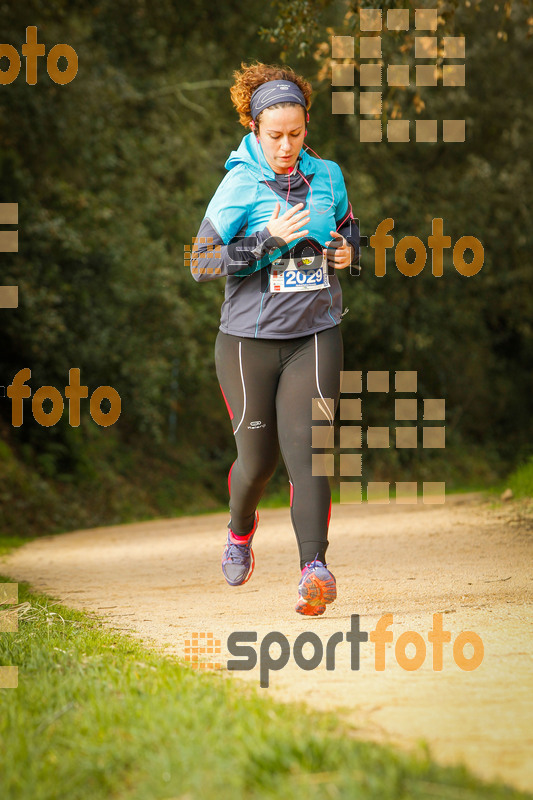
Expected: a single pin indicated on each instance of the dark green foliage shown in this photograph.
(112, 174)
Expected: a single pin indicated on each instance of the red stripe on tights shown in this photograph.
(230, 412)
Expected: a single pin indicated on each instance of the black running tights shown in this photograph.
(276, 391)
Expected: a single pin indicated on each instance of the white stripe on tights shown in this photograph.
(324, 408)
(243, 390)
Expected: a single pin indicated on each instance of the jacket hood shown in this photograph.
(251, 153)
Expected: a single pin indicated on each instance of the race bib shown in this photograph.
(299, 275)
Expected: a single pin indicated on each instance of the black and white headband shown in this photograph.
(272, 92)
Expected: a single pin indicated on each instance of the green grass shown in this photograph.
(8, 543)
(521, 480)
(96, 716)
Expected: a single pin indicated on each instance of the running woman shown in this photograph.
(278, 228)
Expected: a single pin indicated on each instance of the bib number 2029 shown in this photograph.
(295, 277)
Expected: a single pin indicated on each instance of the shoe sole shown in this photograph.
(309, 611)
(316, 592)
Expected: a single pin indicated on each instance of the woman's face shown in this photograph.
(281, 133)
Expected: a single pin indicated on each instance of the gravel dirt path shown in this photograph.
(472, 563)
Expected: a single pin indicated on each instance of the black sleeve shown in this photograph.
(210, 258)
(349, 228)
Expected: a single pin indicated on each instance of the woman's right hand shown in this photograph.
(288, 226)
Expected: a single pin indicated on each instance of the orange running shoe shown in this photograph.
(317, 588)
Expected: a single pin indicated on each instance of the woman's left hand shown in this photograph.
(339, 252)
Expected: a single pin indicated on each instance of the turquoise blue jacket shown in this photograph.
(233, 241)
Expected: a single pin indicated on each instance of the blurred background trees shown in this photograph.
(112, 174)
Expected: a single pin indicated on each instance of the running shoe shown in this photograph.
(316, 589)
(238, 559)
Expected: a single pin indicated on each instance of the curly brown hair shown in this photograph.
(250, 76)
